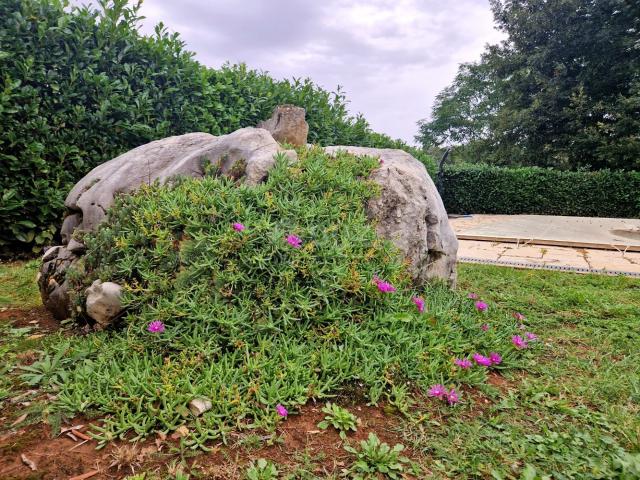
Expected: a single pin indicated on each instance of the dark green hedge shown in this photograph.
(79, 87)
(532, 190)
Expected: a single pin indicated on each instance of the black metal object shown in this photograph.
(440, 174)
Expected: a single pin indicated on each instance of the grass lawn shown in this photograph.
(570, 411)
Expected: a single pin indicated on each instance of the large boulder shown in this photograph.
(247, 153)
(288, 125)
(410, 213)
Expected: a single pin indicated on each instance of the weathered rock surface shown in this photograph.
(247, 153)
(104, 302)
(410, 213)
(52, 281)
(287, 124)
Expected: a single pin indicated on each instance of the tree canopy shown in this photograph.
(563, 90)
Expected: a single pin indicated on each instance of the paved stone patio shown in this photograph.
(525, 253)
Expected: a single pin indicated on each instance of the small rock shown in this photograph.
(76, 247)
(104, 302)
(199, 405)
(51, 253)
(287, 124)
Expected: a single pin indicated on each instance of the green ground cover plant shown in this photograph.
(572, 411)
(261, 298)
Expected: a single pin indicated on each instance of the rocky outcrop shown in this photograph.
(287, 125)
(410, 213)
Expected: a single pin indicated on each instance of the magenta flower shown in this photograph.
(294, 241)
(452, 397)
(484, 327)
(495, 358)
(156, 326)
(437, 391)
(482, 360)
(518, 316)
(283, 412)
(473, 296)
(383, 286)
(481, 306)
(531, 336)
(238, 227)
(463, 363)
(519, 342)
(419, 303)
(381, 161)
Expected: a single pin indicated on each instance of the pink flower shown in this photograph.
(495, 358)
(482, 360)
(481, 306)
(484, 327)
(437, 391)
(452, 397)
(381, 161)
(383, 286)
(531, 336)
(238, 227)
(156, 327)
(294, 241)
(419, 303)
(519, 342)
(473, 296)
(463, 362)
(283, 412)
(518, 316)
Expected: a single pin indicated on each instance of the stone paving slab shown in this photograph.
(587, 232)
(550, 257)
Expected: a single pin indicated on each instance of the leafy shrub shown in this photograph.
(79, 87)
(532, 190)
(375, 458)
(339, 418)
(250, 321)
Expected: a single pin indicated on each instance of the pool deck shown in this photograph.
(580, 244)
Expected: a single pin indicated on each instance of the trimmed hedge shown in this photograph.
(78, 87)
(533, 190)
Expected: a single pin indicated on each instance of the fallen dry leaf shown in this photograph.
(28, 462)
(20, 419)
(180, 432)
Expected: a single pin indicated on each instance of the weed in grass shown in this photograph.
(339, 418)
(262, 470)
(375, 459)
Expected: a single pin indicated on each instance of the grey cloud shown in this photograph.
(391, 56)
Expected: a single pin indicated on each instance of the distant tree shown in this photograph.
(563, 90)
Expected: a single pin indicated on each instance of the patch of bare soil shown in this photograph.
(70, 455)
(38, 317)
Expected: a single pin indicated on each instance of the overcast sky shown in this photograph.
(392, 57)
